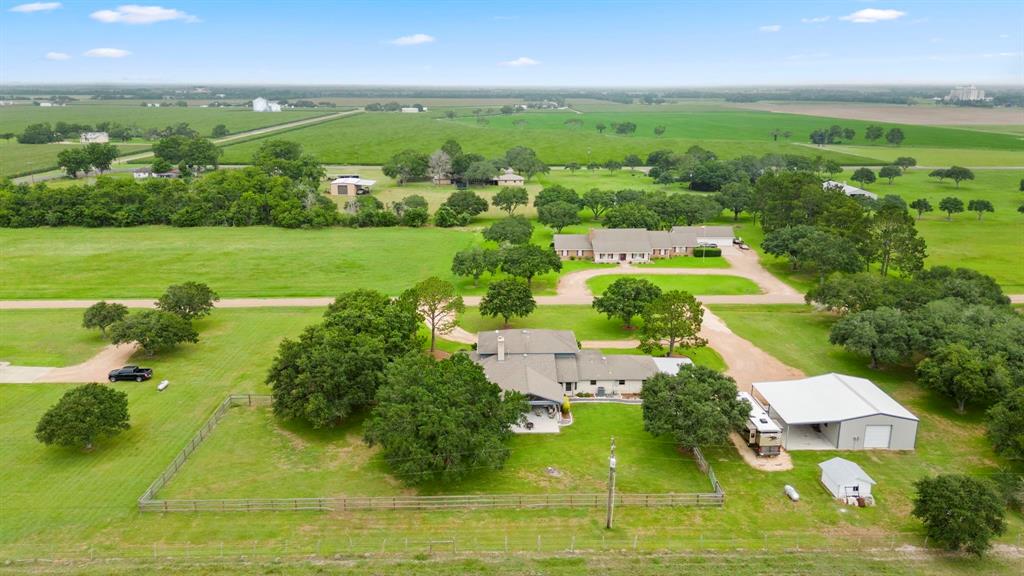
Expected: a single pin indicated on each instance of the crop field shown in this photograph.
(45, 488)
(972, 157)
(16, 118)
(374, 137)
(703, 285)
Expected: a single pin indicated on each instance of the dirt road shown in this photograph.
(94, 369)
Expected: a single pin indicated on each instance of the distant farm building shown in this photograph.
(509, 178)
(969, 93)
(836, 411)
(611, 245)
(413, 109)
(143, 173)
(264, 105)
(94, 138)
(851, 191)
(351, 185)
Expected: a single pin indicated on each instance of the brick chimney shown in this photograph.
(501, 348)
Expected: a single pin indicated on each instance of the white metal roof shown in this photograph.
(845, 472)
(758, 417)
(354, 180)
(671, 366)
(828, 398)
(848, 189)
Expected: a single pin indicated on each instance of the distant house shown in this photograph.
(851, 191)
(548, 365)
(351, 185)
(264, 105)
(610, 245)
(837, 411)
(846, 480)
(94, 138)
(509, 178)
(143, 173)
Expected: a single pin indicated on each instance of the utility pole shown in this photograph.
(611, 486)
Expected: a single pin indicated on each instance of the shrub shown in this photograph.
(701, 252)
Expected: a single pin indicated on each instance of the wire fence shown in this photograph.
(383, 545)
(148, 502)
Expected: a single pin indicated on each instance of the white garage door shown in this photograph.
(877, 436)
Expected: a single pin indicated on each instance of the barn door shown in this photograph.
(877, 436)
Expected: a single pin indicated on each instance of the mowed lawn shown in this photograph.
(18, 158)
(588, 323)
(255, 261)
(932, 156)
(46, 337)
(297, 461)
(706, 285)
(373, 138)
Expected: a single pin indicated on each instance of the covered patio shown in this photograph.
(805, 437)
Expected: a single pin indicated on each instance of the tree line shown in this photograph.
(451, 163)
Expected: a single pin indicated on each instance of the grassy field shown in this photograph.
(715, 284)
(687, 262)
(257, 261)
(927, 156)
(584, 320)
(297, 461)
(16, 118)
(373, 138)
(46, 337)
(22, 158)
(45, 488)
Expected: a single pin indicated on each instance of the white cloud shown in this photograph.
(872, 15)
(107, 53)
(815, 20)
(413, 40)
(1002, 55)
(36, 7)
(135, 14)
(520, 62)
(770, 28)
(57, 56)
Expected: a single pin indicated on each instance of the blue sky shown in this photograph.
(513, 43)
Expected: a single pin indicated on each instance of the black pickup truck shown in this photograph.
(131, 373)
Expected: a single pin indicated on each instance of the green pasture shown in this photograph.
(687, 262)
(588, 323)
(18, 158)
(46, 337)
(16, 118)
(258, 261)
(373, 138)
(931, 156)
(702, 285)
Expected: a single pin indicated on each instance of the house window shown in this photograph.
(568, 386)
(579, 252)
(593, 382)
(622, 382)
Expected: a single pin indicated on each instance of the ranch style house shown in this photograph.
(639, 245)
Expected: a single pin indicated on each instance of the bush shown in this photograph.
(701, 252)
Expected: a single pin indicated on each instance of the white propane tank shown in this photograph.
(163, 384)
(792, 493)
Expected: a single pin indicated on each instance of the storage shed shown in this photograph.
(845, 479)
(837, 411)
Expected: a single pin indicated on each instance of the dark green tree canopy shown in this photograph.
(559, 214)
(959, 512)
(529, 260)
(964, 374)
(883, 334)
(439, 421)
(407, 166)
(697, 407)
(1006, 425)
(473, 262)
(103, 314)
(626, 298)
(632, 215)
(509, 198)
(153, 330)
(508, 298)
(510, 230)
(465, 202)
(674, 317)
(556, 193)
(285, 158)
(83, 415)
(189, 300)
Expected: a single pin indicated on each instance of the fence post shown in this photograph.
(636, 539)
(765, 547)
(538, 542)
(572, 544)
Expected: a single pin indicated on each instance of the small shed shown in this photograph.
(845, 479)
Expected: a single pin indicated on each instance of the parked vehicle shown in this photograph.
(131, 373)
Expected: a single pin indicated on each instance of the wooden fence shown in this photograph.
(149, 503)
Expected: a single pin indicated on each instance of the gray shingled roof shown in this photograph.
(659, 239)
(621, 240)
(683, 236)
(593, 365)
(528, 342)
(572, 242)
(530, 374)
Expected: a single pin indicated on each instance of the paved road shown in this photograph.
(52, 174)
